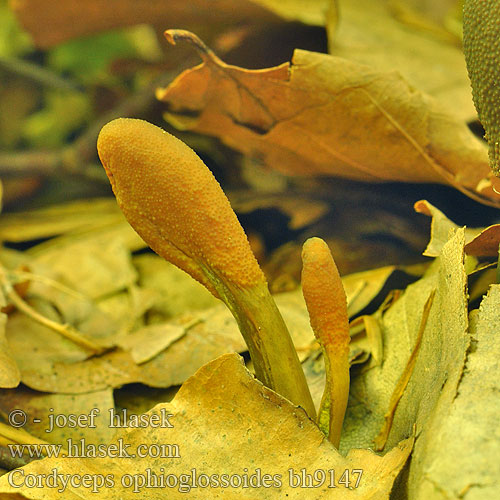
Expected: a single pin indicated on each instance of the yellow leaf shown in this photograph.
(461, 449)
(224, 422)
(370, 33)
(480, 242)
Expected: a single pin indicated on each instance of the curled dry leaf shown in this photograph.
(51, 363)
(92, 267)
(480, 242)
(323, 115)
(223, 420)
(55, 366)
(176, 291)
(301, 210)
(145, 343)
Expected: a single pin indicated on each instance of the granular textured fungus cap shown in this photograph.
(173, 201)
(327, 306)
(325, 296)
(175, 204)
(482, 53)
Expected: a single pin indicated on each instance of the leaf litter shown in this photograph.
(419, 374)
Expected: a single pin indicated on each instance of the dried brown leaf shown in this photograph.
(92, 268)
(324, 115)
(301, 210)
(145, 343)
(74, 217)
(35, 346)
(480, 242)
(53, 364)
(177, 293)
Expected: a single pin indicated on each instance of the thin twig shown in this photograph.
(38, 74)
(66, 330)
(79, 157)
(19, 436)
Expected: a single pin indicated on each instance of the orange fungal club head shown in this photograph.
(175, 204)
(324, 295)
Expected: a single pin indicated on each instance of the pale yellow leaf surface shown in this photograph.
(148, 341)
(45, 407)
(479, 242)
(10, 375)
(433, 386)
(462, 450)
(90, 267)
(307, 11)
(325, 115)
(437, 12)
(53, 364)
(35, 346)
(93, 222)
(361, 288)
(70, 217)
(440, 358)
(226, 422)
(177, 292)
(370, 33)
(211, 332)
(72, 308)
(128, 309)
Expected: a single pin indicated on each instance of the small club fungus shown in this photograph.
(327, 305)
(173, 201)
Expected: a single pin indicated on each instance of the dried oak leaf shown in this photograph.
(52, 364)
(176, 291)
(324, 115)
(435, 381)
(210, 333)
(226, 422)
(480, 242)
(301, 210)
